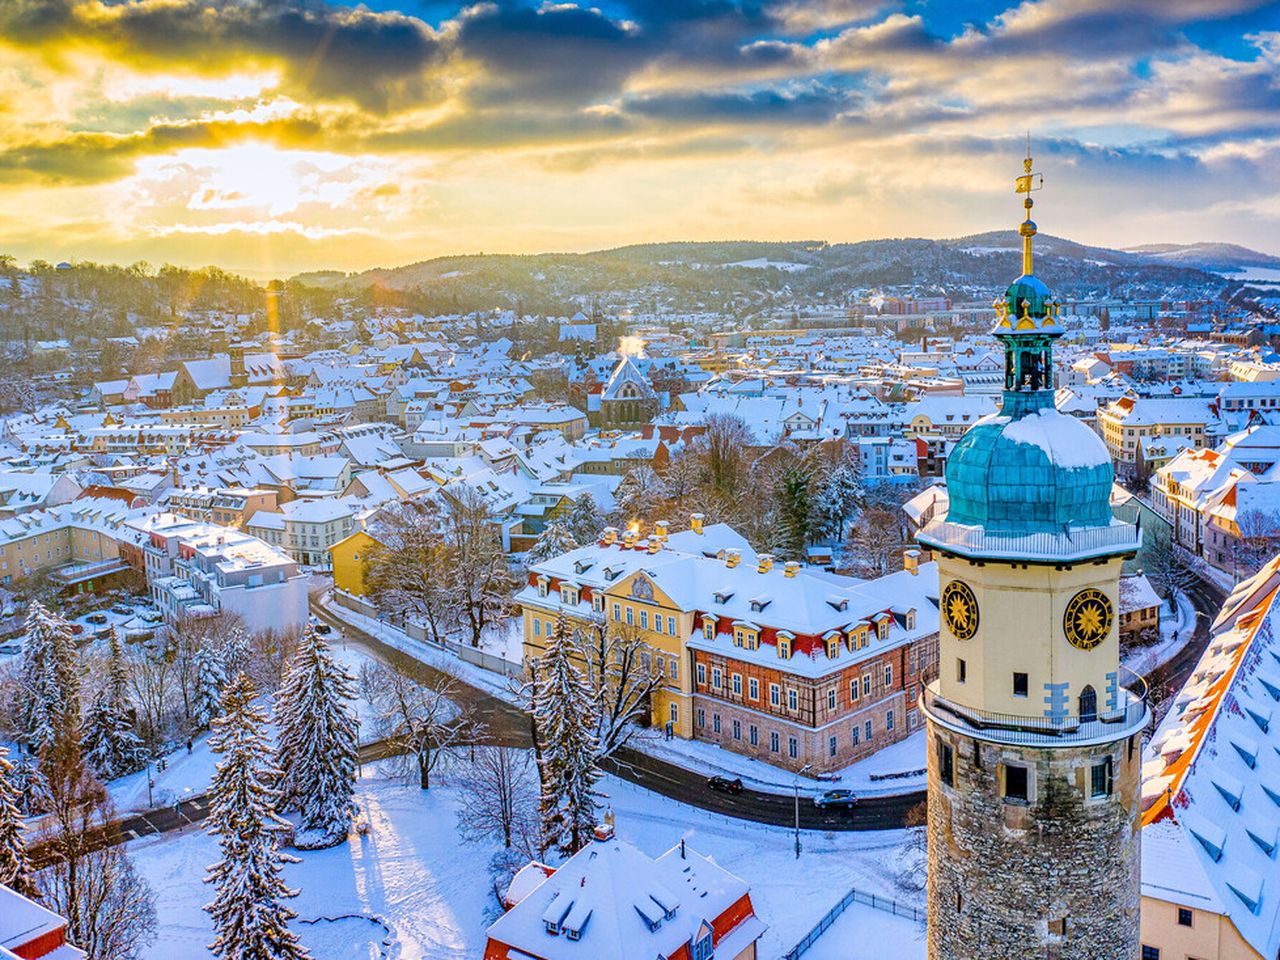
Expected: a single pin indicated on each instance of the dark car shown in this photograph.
(96, 618)
(323, 628)
(836, 798)
(123, 609)
(725, 785)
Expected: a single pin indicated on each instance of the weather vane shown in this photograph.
(1027, 184)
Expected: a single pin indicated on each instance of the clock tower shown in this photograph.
(1033, 753)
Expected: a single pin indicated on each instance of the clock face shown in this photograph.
(960, 609)
(1087, 619)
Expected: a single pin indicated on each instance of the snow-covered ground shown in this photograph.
(433, 890)
(870, 776)
(188, 774)
(1177, 627)
(865, 933)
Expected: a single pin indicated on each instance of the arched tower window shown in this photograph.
(1088, 704)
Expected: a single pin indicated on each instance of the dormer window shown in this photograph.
(723, 596)
(839, 604)
(611, 573)
(833, 647)
(784, 647)
(709, 628)
(759, 603)
(882, 628)
(597, 603)
(543, 586)
(568, 595)
(911, 619)
(582, 566)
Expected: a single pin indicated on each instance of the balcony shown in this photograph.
(80, 572)
(1066, 547)
(1072, 729)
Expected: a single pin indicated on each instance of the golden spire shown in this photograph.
(1025, 184)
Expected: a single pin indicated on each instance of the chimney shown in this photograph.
(695, 522)
(629, 538)
(789, 568)
(766, 563)
(653, 543)
(732, 558)
(660, 528)
(911, 561)
(609, 535)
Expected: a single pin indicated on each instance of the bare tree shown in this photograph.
(481, 580)
(418, 721)
(499, 791)
(875, 546)
(723, 448)
(1167, 571)
(153, 680)
(620, 670)
(409, 574)
(1259, 540)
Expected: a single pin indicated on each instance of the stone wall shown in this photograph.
(1003, 876)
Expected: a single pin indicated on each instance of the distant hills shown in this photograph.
(747, 276)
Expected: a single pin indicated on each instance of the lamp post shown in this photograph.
(150, 783)
(796, 785)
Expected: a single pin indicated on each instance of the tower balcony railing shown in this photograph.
(1129, 714)
(1071, 544)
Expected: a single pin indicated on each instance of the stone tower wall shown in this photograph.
(1002, 875)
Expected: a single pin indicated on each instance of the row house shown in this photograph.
(1124, 422)
(225, 506)
(776, 661)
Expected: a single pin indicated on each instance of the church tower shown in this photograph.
(1034, 755)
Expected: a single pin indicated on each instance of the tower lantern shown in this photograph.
(1034, 760)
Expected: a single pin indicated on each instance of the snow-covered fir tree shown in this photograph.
(556, 538)
(584, 519)
(839, 496)
(49, 680)
(316, 743)
(15, 868)
(565, 720)
(111, 747)
(210, 677)
(249, 915)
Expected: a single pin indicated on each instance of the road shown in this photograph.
(509, 726)
(1207, 598)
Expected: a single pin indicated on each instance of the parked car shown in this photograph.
(123, 609)
(725, 785)
(96, 618)
(323, 628)
(836, 798)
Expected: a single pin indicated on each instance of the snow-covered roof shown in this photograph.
(1212, 772)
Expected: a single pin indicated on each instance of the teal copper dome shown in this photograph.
(1039, 472)
(1031, 290)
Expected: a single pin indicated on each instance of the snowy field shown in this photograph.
(432, 891)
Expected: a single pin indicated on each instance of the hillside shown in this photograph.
(1215, 257)
(745, 277)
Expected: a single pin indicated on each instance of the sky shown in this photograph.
(275, 136)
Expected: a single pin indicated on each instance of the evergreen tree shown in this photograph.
(584, 519)
(565, 720)
(110, 745)
(249, 917)
(211, 676)
(316, 743)
(556, 539)
(795, 510)
(15, 870)
(839, 497)
(49, 681)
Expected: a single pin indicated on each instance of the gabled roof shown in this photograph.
(627, 372)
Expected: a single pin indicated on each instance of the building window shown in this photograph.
(946, 764)
(853, 689)
(1020, 685)
(1184, 917)
(1150, 953)
(793, 749)
(773, 740)
(737, 638)
(831, 699)
(784, 648)
(833, 648)
(675, 668)
(617, 612)
(644, 619)
(709, 629)
(753, 735)
(888, 675)
(866, 685)
(962, 670)
(715, 678)
(1015, 784)
(793, 701)
(657, 624)
(832, 746)
(702, 674)
(542, 586)
(753, 688)
(631, 616)
(1100, 779)
(537, 628)
(867, 731)
(855, 734)
(671, 626)
(597, 603)
(774, 695)
(702, 717)
(888, 720)
(715, 722)
(673, 710)
(737, 729)
(737, 684)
